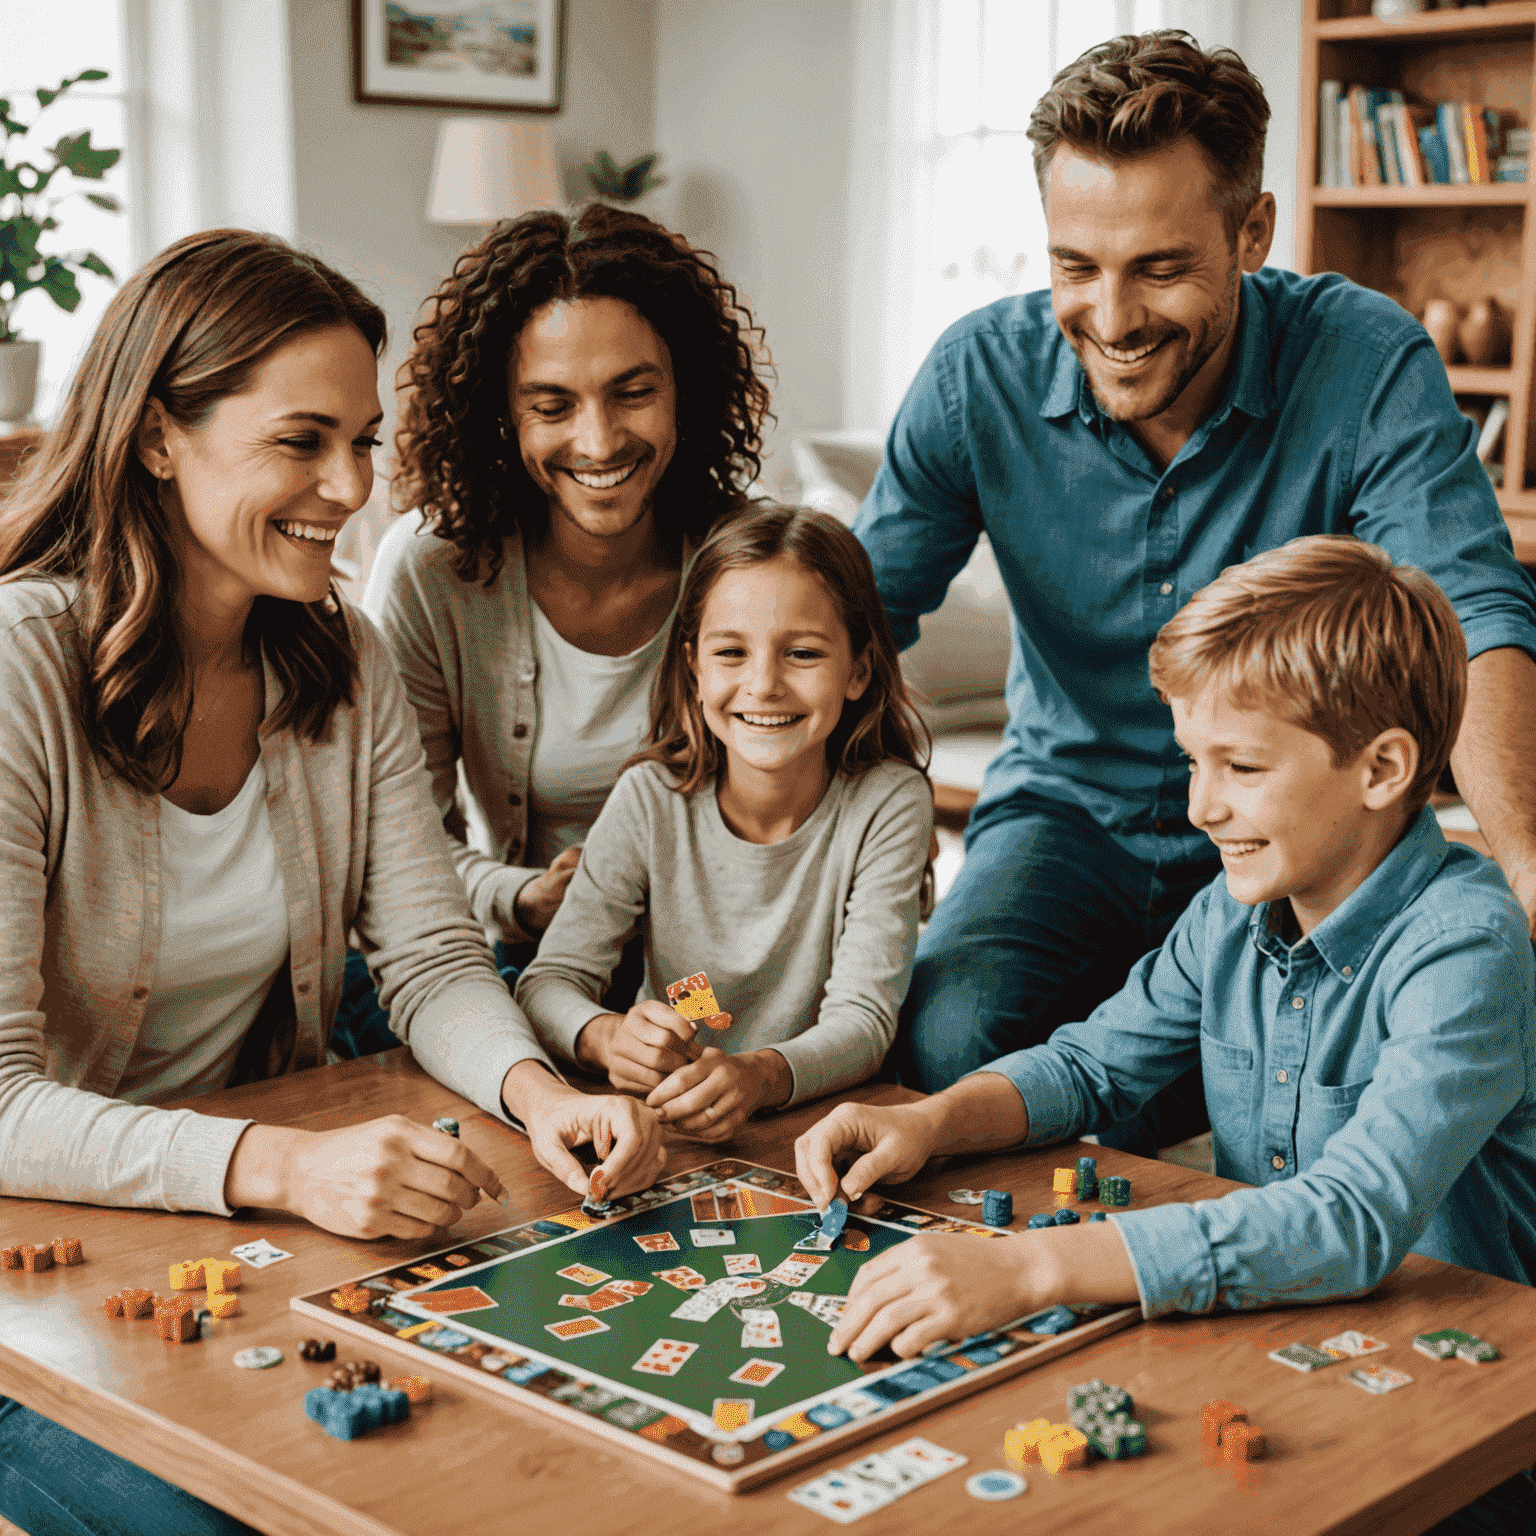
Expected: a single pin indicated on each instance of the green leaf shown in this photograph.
(103, 200)
(58, 282)
(93, 263)
(9, 123)
(77, 156)
(91, 74)
(45, 97)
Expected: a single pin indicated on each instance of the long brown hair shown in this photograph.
(456, 445)
(188, 329)
(879, 726)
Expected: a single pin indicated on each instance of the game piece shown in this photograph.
(1379, 1378)
(1440, 1345)
(1065, 1218)
(583, 1274)
(598, 1210)
(756, 1373)
(187, 1275)
(1053, 1320)
(35, 1258)
(1090, 1398)
(1087, 1178)
(259, 1357)
(1351, 1344)
(576, 1327)
(222, 1303)
(136, 1302)
(995, 1486)
(203, 1321)
(259, 1254)
(834, 1219)
(1242, 1442)
(1476, 1352)
(315, 1350)
(447, 1125)
(816, 1242)
(352, 1298)
(997, 1208)
(1041, 1219)
(1064, 1180)
(1114, 1190)
(693, 997)
(353, 1373)
(1099, 1216)
(1214, 1417)
(967, 1196)
(68, 1251)
(346, 1415)
(10, 1258)
(659, 1242)
(855, 1241)
(710, 1237)
(1302, 1357)
(666, 1357)
(732, 1412)
(1067, 1447)
(221, 1274)
(417, 1389)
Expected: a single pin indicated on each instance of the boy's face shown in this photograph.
(1290, 822)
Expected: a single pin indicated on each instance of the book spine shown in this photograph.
(1345, 168)
(1469, 119)
(1450, 130)
(1328, 133)
(1408, 149)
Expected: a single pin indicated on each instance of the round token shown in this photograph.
(967, 1196)
(995, 1486)
(727, 1455)
(258, 1357)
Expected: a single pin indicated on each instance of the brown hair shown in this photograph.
(1329, 634)
(188, 329)
(456, 445)
(1134, 95)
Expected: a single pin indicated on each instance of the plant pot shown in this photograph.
(1441, 317)
(1484, 334)
(18, 378)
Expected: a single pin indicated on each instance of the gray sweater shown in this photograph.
(807, 942)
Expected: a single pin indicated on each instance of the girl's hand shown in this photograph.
(626, 1134)
(709, 1098)
(536, 903)
(638, 1049)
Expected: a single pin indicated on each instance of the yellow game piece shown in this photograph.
(1063, 1201)
(351, 1298)
(1064, 1181)
(221, 1274)
(223, 1303)
(416, 1388)
(1022, 1442)
(693, 997)
(731, 1413)
(187, 1276)
(1067, 1447)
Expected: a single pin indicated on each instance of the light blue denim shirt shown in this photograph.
(1338, 418)
(1376, 1081)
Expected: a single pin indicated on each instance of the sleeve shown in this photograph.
(920, 520)
(1418, 490)
(57, 1142)
(1452, 1067)
(408, 620)
(604, 905)
(872, 963)
(435, 975)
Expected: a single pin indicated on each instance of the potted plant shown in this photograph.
(29, 194)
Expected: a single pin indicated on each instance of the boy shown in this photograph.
(1357, 992)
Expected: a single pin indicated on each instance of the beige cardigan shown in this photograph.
(359, 843)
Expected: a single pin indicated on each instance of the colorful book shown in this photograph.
(1448, 120)
(1437, 163)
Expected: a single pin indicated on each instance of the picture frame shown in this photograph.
(457, 55)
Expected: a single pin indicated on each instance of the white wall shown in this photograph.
(1269, 39)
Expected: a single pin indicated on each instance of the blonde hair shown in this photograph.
(1329, 634)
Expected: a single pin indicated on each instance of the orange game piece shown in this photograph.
(1242, 1442)
(416, 1388)
(68, 1251)
(176, 1319)
(1064, 1181)
(114, 1304)
(1067, 1447)
(1022, 1442)
(187, 1275)
(34, 1259)
(1214, 1417)
(137, 1303)
(10, 1258)
(351, 1298)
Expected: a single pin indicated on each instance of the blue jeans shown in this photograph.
(54, 1482)
(1043, 922)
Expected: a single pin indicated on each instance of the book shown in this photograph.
(1437, 163)
(1383, 105)
(1510, 168)
(1476, 142)
(1367, 156)
(1448, 120)
(1328, 93)
(1407, 120)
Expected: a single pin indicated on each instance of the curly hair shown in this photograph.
(456, 442)
(1135, 95)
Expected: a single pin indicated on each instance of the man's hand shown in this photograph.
(626, 1134)
(711, 1097)
(536, 903)
(385, 1178)
(639, 1049)
(895, 1142)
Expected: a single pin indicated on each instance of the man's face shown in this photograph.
(1144, 282)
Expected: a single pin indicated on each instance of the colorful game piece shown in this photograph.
(756, 1373)
(221, 1274)
(834, 1219)
(204, 1320)
(967, 1196)
(448, 1126)
(346, 1415)
(693, 997)
(176, 1319)
(10, 1258)
(1243, 1442)
(1099, 1216)
(316, 1351)
(1068, 1447)
(222, 1303)
(354, 1299)
(134, 1303)
(1022, 1442)
(1053, 1320)
(187, 1275)
(731, 1413)
(1041, 1219)
(114, 1304)
(855, 1241)
(1214, 1417)
(1379, 1378)
(354, 1373)
(1440, 1345)
(816, 1241)
(997, 1208)
(1351, 1344)
(35, 1258)
(1065, 1218)
(995, 1487)
(417, 1389)
(1114, 1190)
(1064, 1181)
(1476, 1352)
(68, 1251)
(259, 1357)
(1087, 1178)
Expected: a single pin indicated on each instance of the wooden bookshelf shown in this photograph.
(1420, 243)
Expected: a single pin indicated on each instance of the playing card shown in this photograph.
(732, 1412)
(797, 1271)
(465, 1298)
(608, 1296)
(828, 1309)
(701, 1305)
(737, 1286)
(895, 1474)
(1302, 1357)
(684, 1278)
(428, 1272)
(582, 1274)
(630, 1287)
(659, 1242)
(815, 1242)
(576, 1327)
(711, 1237)
(259, 1254)
(924, 1454)
(1351, 1344)
(756, 1373)
(743, 1264)
(841, 1497)
(693, 997)
(760, 1329)
(666, 1357)
(1379, 1378)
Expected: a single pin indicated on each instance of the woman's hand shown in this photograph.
(383, 1178)
(536, 903)
(894, 1143)
(709, 1098)
(638, 1050)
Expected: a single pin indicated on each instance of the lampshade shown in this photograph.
(487, 169)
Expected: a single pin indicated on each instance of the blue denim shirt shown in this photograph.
(1376, 1081)
(1338, 418)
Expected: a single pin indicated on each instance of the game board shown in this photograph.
(485, 1309)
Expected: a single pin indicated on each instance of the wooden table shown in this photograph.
(1341, 1460)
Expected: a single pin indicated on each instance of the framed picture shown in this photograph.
(459, 53)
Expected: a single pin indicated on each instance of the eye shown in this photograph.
(308, 443)
(1243, 767)
(363, 444)
(805, 653)
(729, 652)
(634, 396)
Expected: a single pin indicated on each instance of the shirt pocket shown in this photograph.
(1222, 1056)
(1322, 1110)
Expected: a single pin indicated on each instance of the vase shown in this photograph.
(18, 378)
(1484, 334)
(1395, 10)
(1441, 317)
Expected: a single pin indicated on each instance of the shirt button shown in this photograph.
(1280, 1076)
(140, 993)
(1348, 970)
(1166, 588)
(514, 799)
(302, 988)
(519, 730)
(1298, 1002)
(1277, 1161)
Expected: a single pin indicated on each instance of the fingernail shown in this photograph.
(505, 1198)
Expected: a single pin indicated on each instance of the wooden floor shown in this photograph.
(7, 1529)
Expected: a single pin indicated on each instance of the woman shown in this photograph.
(585, 401)
(208, 776)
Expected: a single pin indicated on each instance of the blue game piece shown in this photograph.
(834, 1219)
(1065, 1218)
(1041, 1219)
(520, 1375)
(1087, 1178)
(828, 1415)
(1099, 1216)
(997, 1208)
(346, 1415)
(777, 1440)
(1056, 1320)
(984, 1356)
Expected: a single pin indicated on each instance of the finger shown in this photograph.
(466, 1163)
(634, 1161)
(650, 1058)
(628, 1078)
(885, 1162)
(712, 1112)
(556, 1156)
(875, 1287)
(895, 1318)
(816, 1150)
(417, 1206)
(664, 1018)
(678, 1082)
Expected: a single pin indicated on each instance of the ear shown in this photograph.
(1391, 764)
(688, 661)
(1257, 233)
(863, 670)
(151, 441)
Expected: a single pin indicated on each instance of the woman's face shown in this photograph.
(594, 406)
(261, 489)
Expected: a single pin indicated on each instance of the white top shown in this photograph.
(594, 713)
(223, 939)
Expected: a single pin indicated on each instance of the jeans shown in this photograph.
(1043, 922)
(54, 1482)
(361, 1027)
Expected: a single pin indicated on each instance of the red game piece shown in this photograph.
(35, 1259)
(67, 1250)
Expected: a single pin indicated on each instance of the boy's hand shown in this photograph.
(639, 1049)
(895, 1143)
(625, 1133)
(711, 1097)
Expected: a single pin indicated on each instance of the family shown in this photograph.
(607, 718)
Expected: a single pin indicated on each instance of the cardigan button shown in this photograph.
(140, 993)
(302, 988)
(519, 730)
(514, 799)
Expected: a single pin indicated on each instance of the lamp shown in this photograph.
(487, 170)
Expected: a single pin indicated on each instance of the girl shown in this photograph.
(774, 836)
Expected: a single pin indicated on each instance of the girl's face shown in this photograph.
(260, 490)
(774, 666)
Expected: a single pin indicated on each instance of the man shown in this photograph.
(1167, 410)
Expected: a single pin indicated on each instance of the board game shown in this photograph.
(691, 1324)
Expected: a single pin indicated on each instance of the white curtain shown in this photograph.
(944, 215)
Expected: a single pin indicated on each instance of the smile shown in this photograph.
(768, 720)
(1119, 355)
(307, 533)
(1239, 850)
(604, 480)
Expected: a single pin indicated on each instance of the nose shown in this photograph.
(1206, 809)
(766, 675)
(596, 436)
(1117, 314)
(346, 477)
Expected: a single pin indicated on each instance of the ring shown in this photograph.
(709, 1111)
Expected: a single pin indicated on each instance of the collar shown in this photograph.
(1347, 934)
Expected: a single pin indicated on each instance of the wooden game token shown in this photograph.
(259, 1357)
(995, 1486)
(967, 1196)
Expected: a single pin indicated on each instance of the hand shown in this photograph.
(639, 1049)
(709, 1098)
(947, 1286)
(536, 903)
(384, 1178)
(626, 1134)
(895, 1142)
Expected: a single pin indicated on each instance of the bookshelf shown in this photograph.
(1421, 243)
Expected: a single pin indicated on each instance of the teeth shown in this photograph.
(605, 481)
(1116, 355)
(768, 719)
(1241, 847)
(311, 531)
